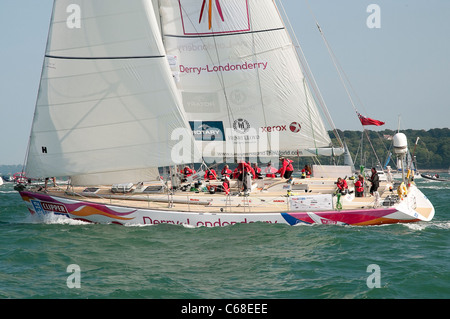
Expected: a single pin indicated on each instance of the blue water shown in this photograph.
(241, 261)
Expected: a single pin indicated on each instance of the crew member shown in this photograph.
(244, 169)
(306, 172)
(342, 186)
(187, 171)
(270, 171)
(257, 171)
(226, 171)
(236, 173)
(46, 182)
(226, 184)
(359, 186)
(210, 174)
(375, 180)
(286, 168)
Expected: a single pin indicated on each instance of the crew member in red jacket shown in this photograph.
(342, 186)
(210, 174)
(257, 170)
(359, 186)
(226, 171)
(226, 185)
(270, 170)
(187, 171)
(244, 168)
(286, 168)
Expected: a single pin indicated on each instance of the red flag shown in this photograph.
(368, 121)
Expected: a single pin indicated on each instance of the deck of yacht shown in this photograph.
(267, 195)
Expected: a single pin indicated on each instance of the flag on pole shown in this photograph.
(368, 121)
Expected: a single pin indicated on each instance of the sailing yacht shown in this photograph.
(133, 90)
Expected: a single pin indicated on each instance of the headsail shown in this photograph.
(107, 100)
(239, 76)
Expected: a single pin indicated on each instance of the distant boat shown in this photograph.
(434, 177)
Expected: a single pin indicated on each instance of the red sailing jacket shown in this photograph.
(287, 166)
(359, 185)
(210, 174)
(226, 172)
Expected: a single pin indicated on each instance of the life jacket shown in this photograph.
(187, 171)
(342, 185)
(359, 185)
(210, 174)
(287, 166)
(226, 172)
(244, 167)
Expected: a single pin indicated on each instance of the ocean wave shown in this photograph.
(434, 186)
(52, 219)
(427, 225)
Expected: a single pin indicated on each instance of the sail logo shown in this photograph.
(241, 126)
(207, 130)
(295, 127)
(214, 17)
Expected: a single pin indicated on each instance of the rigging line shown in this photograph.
(222, 83)
(311, 79)
(269, 140)
(309, 113)
(338, 67)
(373, 149)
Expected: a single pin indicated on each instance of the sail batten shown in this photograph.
(222, 34)
(104, 57)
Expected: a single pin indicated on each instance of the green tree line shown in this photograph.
(432, 150)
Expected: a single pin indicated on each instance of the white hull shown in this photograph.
(280, 210)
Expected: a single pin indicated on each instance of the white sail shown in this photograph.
(239, 75)
(117, 177)
(107, 101)
(324, 151)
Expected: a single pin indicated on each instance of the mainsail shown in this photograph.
(107, 102)
(240, 77)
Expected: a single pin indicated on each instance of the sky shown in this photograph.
(399, 69)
